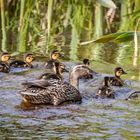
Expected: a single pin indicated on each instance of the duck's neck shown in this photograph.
(74, 80)
(118, 77)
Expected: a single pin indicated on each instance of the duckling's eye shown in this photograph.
(120, 71)
(33, 90)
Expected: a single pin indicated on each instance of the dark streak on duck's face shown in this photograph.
(29, 58)
(119, 71)
(5, 57)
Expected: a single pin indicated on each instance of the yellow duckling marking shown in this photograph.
(29, 58)
(5, 58)
(55, 55)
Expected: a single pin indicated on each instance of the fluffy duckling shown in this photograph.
(54, 91)
(28, 58)
(105, 91)
(4, 66)
(57, 69)
(116, 80)
(54, 57)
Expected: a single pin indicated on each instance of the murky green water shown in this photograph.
(93, 119)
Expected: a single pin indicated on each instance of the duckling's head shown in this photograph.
(28, 58)
(55, 55)
(119, 71)
(86, 62)
(5, 57)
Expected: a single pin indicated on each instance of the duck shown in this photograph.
(55, 74)
(116, 80)
(105, 91)
(4, 66)
(54, 57)
(28, 58)
(54, 91)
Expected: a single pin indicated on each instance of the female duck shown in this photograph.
(28, 58)
(4, 66)
(53, 91)
(116, 80)
(105, 91)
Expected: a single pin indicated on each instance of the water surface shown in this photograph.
(92, 119)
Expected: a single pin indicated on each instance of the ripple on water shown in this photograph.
(93, 119)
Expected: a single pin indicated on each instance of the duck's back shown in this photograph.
(55, 93)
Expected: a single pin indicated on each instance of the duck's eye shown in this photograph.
(33, 90)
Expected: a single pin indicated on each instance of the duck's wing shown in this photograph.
(38, 83)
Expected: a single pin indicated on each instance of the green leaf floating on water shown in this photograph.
(118, 37)
(128, 36)
(107, 38)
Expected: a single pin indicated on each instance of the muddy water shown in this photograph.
(92, 119)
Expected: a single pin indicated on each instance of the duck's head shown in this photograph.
(86, 62)
(55, 55)
(78, 72)
(5, 57)
(119, 71)
(28, 58)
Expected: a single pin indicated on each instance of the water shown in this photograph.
(92, 119)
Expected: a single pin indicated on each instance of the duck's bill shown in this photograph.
(123, 72)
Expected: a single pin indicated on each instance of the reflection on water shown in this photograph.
(93, 119)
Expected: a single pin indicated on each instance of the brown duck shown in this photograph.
(54, 91)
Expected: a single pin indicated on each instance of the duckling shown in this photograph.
(58, 70)
(105, 91)
(28, 58)
(4, 66)
(116, 80)
(54, 91)
(54, 57)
